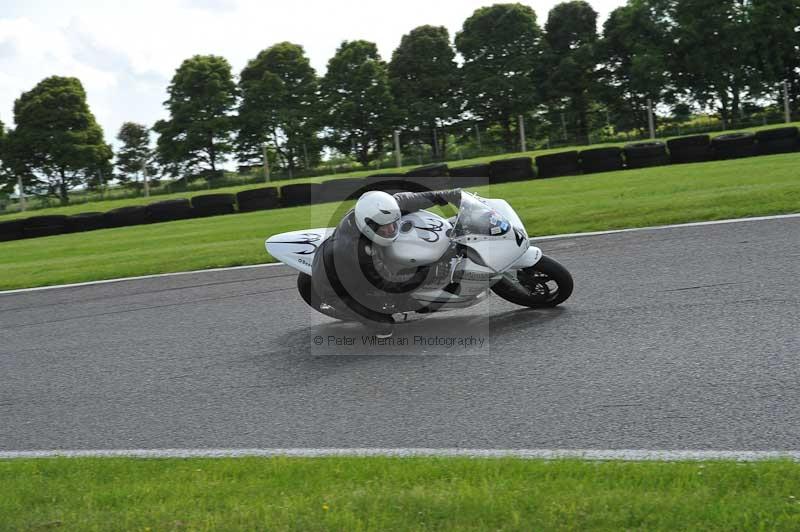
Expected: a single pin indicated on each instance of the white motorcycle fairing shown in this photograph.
(297, 248)
(493, 233)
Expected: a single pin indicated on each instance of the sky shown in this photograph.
(126, 52)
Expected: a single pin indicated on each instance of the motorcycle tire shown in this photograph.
(309, 295)
(533, 287)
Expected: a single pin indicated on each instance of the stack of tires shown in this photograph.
(299, 194)
(509, 170)
(389, 183)
(596, 160)
(558, 164)
(54, 224)
(10, 230)
(692, 149)
(475, 175)
(340, 190)
(646, 154)
(126, 216)
(424, 184)
(777, 140)
(213, 204)
(431, 170)
(734, 145)
(170, 210)
(85, 221)
(257, 199)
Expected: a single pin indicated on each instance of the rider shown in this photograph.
(347, 262)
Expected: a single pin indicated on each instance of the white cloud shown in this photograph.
(126, 52)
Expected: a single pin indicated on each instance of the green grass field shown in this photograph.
(107, 205)
(387, 494)
(632, 198)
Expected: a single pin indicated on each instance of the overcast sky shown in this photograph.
(126, 52)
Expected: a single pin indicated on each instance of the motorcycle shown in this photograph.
(484, 248)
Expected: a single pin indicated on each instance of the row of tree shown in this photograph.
(719, 55)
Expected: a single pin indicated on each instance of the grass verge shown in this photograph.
(396, 494)
(631, 198)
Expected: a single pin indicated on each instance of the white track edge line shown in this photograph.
(541, 454)
(548, 237)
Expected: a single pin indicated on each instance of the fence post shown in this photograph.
(144, 176)
(650, 122)
(521, 121)
(478, 134)
(398, 156)
(786, 109)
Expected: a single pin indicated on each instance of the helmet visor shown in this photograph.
(385, 231)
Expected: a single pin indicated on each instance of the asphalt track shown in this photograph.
(680, 338)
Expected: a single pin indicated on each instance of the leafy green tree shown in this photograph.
(570, 36)
(360, 108)
(714, 58)
(633, 55)
(501, 47)
(197, 135)
(776, 26)
(134, 153)
(424, 78)
(279, 105)
(57, 144)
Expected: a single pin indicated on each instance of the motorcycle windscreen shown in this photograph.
(489, 233)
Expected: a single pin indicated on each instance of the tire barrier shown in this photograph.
(596, 160)
(425, 184)
(734, 145)
(693, 149)
(645, 154)
(299, 194)
(213, 205)
(257, 199)
(509, 170)
(476, 175)
(37, 226)
(85, 221)
(125, 216)
(340, 190)
(390, 183)
(431, 170)
(777, 140)
(558, 164)
(10, 230)
(170, 210)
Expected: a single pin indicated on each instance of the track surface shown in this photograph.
(685, 338)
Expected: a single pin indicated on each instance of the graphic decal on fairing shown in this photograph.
(520, 236)
(434, 228)
(307, 239)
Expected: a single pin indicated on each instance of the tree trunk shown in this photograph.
(63, 193)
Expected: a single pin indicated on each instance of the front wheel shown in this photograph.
(545, 284)
(312, 299)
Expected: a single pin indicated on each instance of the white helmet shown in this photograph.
(377, 214)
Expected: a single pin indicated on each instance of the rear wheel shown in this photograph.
(545, 284)
(312, 299)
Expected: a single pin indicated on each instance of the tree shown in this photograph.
(424, 78)
(501, 47)
(633, 55)
(571, 37)
(57, 143)
(197, 135)
(776, 26)
(279, 90)
(360, 108)
(714, 56)
(134, 153)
